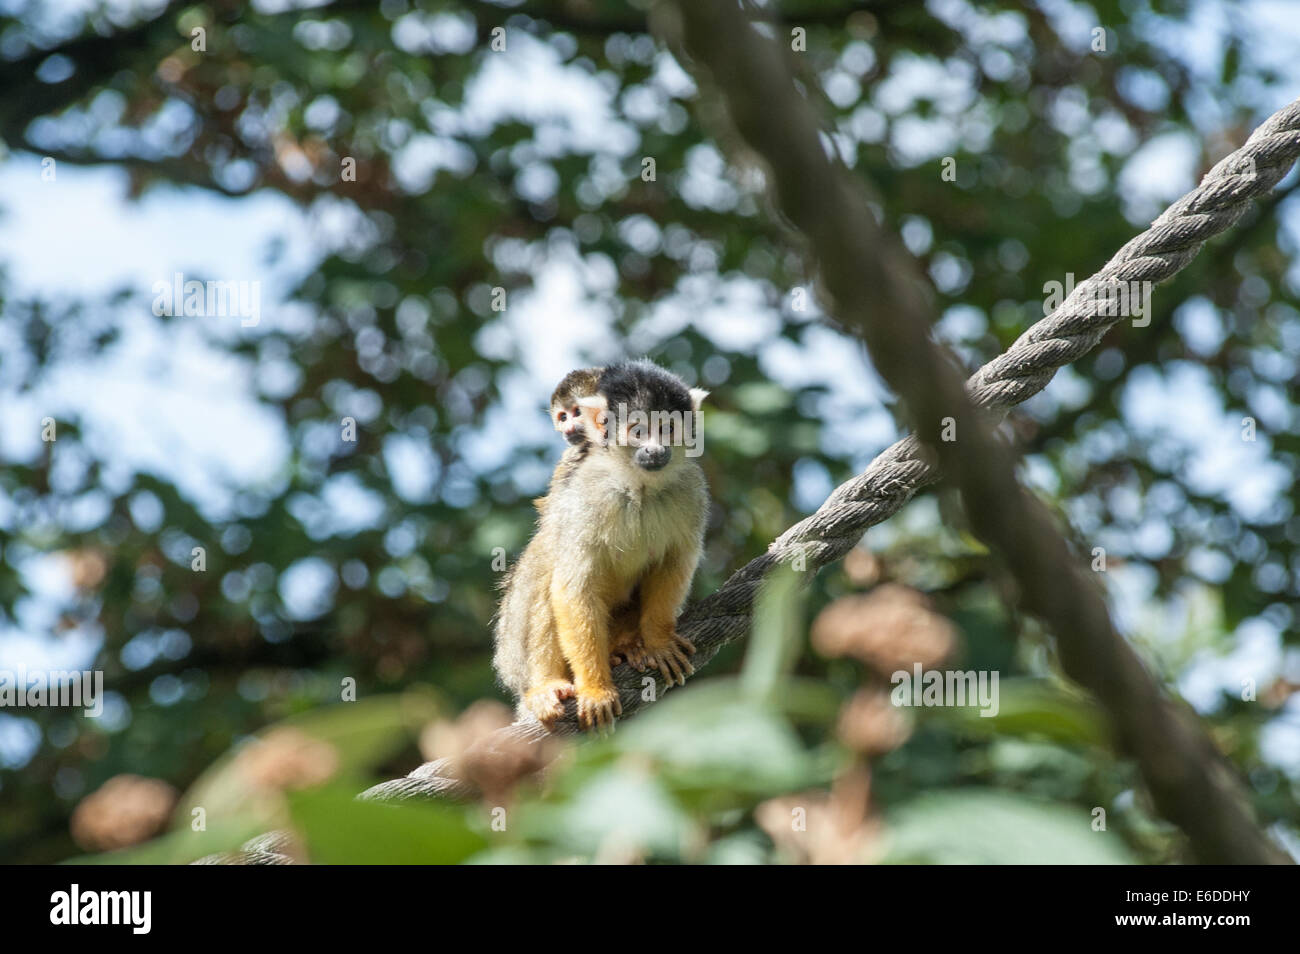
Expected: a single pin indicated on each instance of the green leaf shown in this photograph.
(621, 808)
(761, 397)
(777, 636)
(338, 829)
(979, 826)
(365, 734)
(180, 847)
(717, 737)
(1034, 707)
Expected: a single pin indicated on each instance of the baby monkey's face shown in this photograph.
(568, 421)
(566, 409)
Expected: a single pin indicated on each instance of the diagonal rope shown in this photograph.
(898, 472)
(1024, 369)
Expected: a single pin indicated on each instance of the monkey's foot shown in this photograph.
(547, 700)
(625, 649)
(668, 656)
(598, 707)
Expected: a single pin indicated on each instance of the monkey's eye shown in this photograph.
(563, 416)
(577, 411)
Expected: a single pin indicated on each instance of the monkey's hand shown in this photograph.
(547, 700)
(668, 654)
(597, 708)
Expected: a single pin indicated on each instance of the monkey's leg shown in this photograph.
(549, 683)
(582, 627)
(663, 590)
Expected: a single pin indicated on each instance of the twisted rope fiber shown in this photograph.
(897, 473)
(1024, 369)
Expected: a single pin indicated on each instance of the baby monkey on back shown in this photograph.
(569, 419)
(618, 539)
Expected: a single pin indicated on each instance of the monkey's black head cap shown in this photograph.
(643, 385)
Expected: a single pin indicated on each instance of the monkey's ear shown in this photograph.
(594, 409)
(697, 397)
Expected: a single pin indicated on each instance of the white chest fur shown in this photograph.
(634, 518)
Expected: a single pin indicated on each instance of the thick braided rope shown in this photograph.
(898, 472)
(1024, 369)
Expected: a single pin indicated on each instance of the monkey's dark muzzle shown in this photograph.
(652, 458)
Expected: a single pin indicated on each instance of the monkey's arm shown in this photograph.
(663, 590)
(582, 630)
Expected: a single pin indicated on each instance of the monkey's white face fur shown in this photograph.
(649, 444)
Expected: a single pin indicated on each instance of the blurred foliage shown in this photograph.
(394, 327)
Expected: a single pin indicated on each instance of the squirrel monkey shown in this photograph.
(580, 434)
(566, 406)
(619, 537)
(569, 420)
